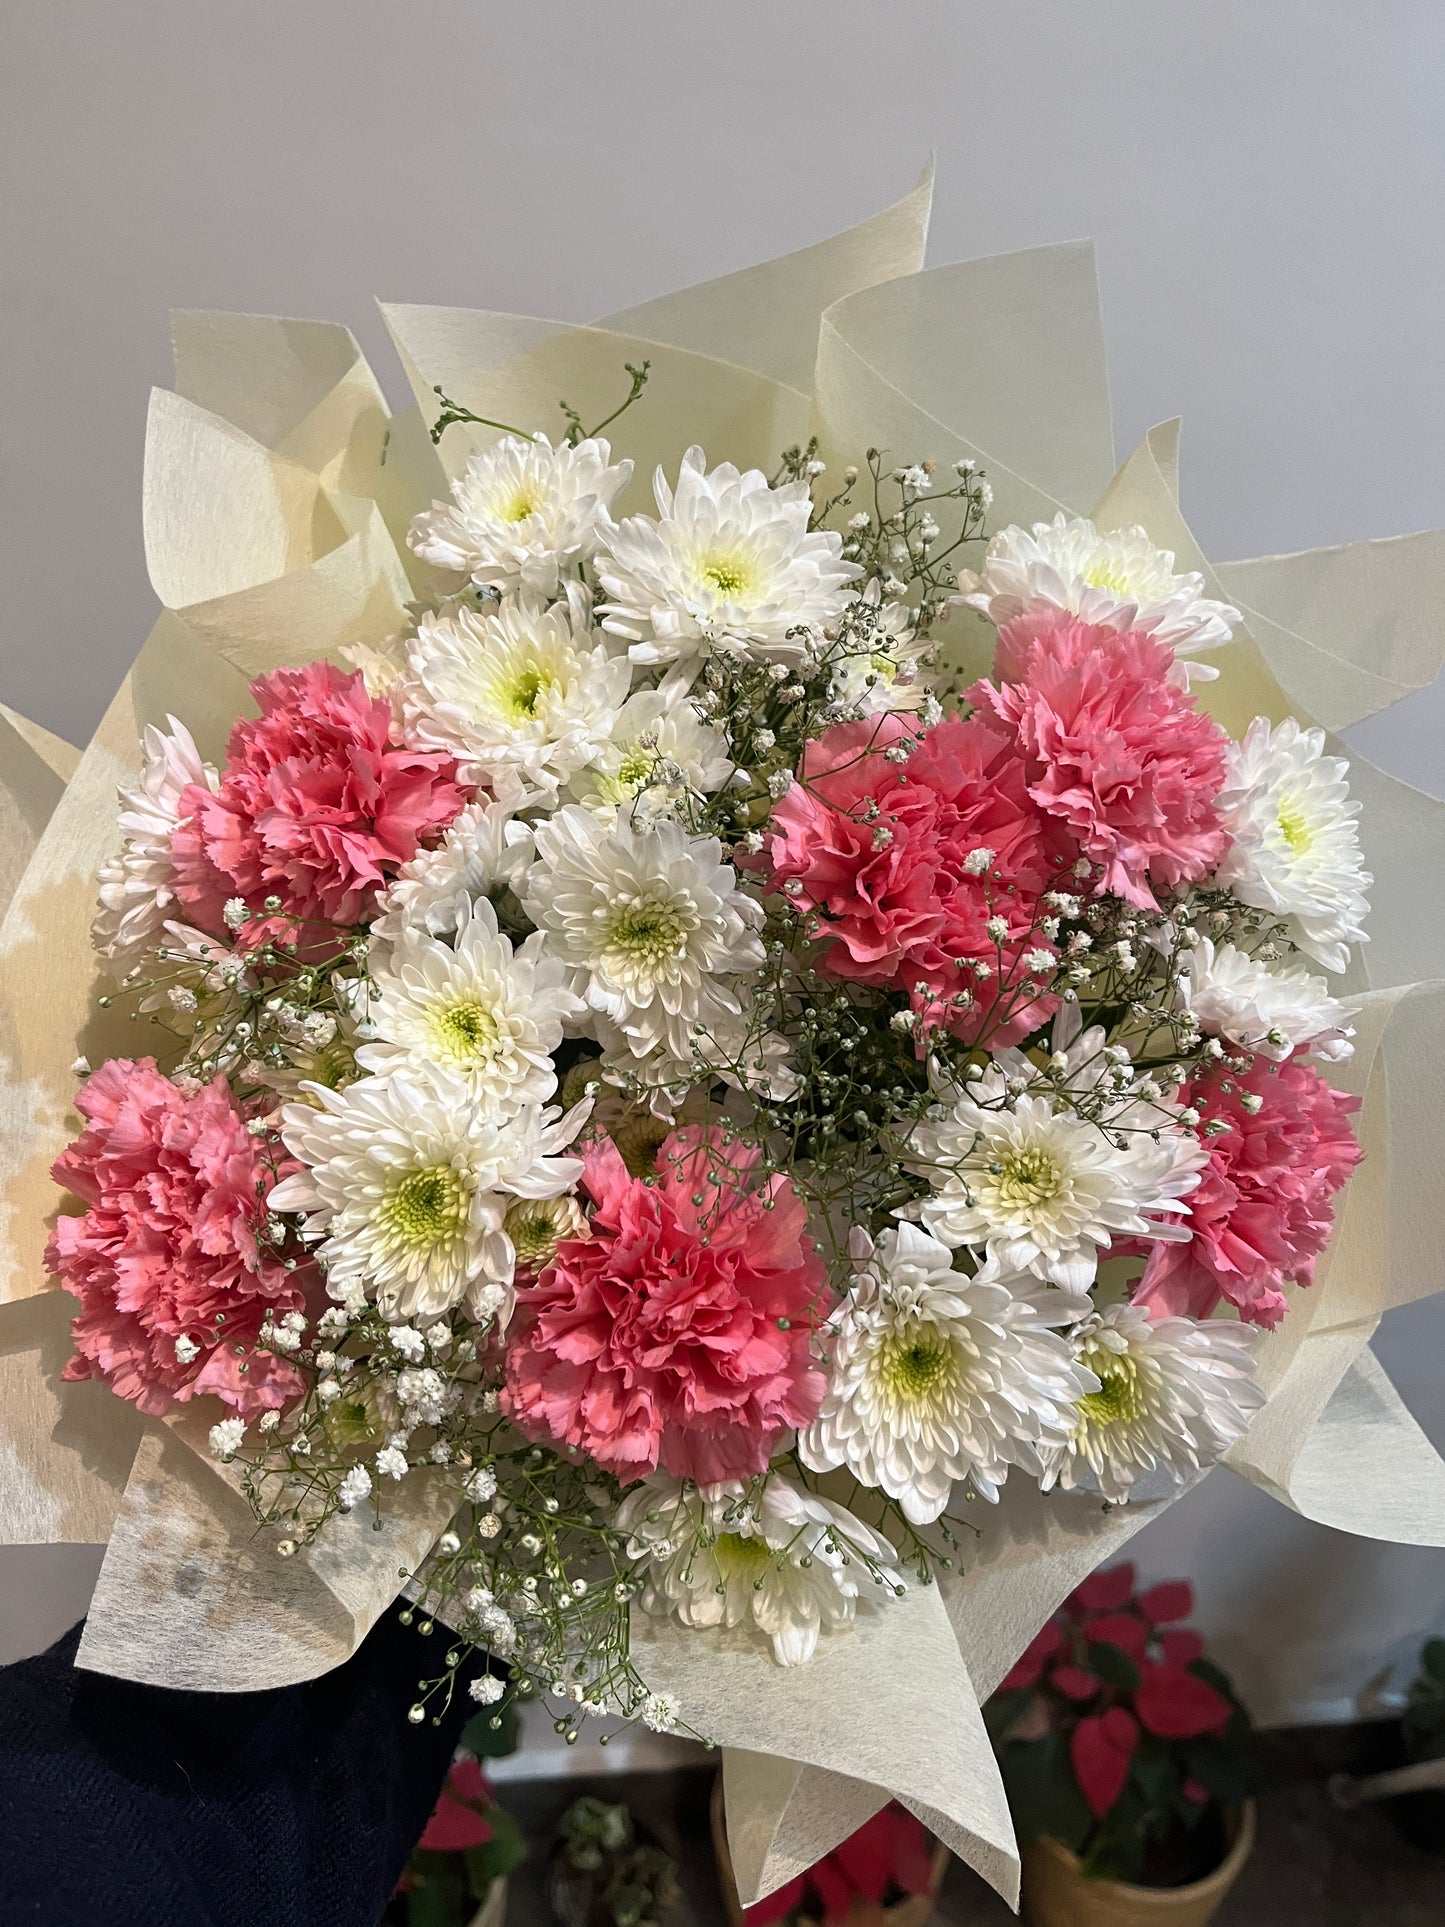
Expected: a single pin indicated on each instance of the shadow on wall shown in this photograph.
(43, 1591)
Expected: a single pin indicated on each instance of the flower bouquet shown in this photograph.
(716, 1091)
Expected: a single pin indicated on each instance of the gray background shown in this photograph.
(1263, 178)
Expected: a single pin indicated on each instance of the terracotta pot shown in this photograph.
(1057, 1893)
(910, 1912)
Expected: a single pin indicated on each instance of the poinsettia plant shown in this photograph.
(886, 1860)
(1117, 1737)
(469, 1843)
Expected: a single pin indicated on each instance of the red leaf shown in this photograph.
(1030, 1663)
(1180, 1644)
(457, 1821)
(1104, 1592)
(773, 1906)
(865, 1858)
(1173, 1599)
(1101, 1749)
(466, 1781)
(1174, 1705)
(912, 1853)
(1074, 1682)
(832, 1889)
(454, 1827)
(1127, 1631)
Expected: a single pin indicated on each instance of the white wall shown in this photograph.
(1264, 183)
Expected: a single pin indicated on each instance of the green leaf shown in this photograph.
(495, 1858)
(1218, 1768)
(1206, 1670)
(1113, 1665)
(1042, 1792)
(1000, 1712)
(1154, 1773)
(438, 1896)
(487, 1742)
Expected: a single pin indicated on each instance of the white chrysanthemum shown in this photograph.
(649, 921)
(407, 1182)
(660, 750)
(1173, 1396)
(1115, 577)
(1275, 1012)
(486, 850)
(934, 1376)
(522, 512)
(730, 561)
(784, 1560)
(1296, 848)
(733, 1043)
(1027, 1181)
(875, 661)
(490, 1014)
(523, 695)
(136, 884)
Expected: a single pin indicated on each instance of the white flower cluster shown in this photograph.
(641, 939)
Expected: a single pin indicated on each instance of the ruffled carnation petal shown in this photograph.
(317, 806)
(675, 1334)
(167, 1249)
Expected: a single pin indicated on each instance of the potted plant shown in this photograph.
(457, 1874)
(606, 1872)
(1420, 1812)
(889, 1871)
(1127, 1760)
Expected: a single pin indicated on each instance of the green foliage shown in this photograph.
(494, 1859)
(1042, 1793)
(629, 1882)
(439, 1894)
(492, 1735)
(1424, 1720)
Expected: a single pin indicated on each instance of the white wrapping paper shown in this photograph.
(277, 494)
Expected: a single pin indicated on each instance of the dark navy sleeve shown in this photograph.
(130, 1806)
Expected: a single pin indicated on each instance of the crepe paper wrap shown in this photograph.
(278, 490)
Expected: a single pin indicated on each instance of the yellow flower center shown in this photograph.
(1119, 1399)
(536, 1226)
(728, 574)
(517, 507)
(635, 770)
(916, 1362)
(525, 693)
(1294, 826)
(1028, 1178)
(428, 1208)
(739, 1557)
(648, 932)
(464, 1032)
(1104, 576)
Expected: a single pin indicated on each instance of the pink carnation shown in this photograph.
(1262, 1211)
(167, 1247)
(317, 805)
(678, 1332)
(881, 851)
(1115, 749)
